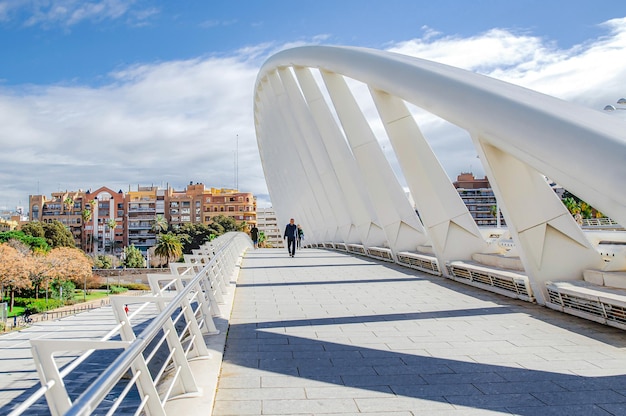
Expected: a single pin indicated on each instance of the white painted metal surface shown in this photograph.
(324, 166)
(184, 315)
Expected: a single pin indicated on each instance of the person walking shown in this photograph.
(254, 235)
(300, 237)
(291, 233)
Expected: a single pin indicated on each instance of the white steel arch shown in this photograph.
(330, 172)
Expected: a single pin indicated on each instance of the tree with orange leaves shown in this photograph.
(13, 271)
(69, 264)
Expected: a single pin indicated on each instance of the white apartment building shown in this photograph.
(267, 222)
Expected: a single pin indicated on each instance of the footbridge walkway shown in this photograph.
(332, 333)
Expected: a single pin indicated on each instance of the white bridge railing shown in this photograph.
(155, 361)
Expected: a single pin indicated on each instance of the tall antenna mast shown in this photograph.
(237, 163)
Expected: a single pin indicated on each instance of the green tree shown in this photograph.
(102, 261)
(192, 236)
(111, 224)
(68, 204)
(94, 236)
(62, 289)
(34, 243)
(169, 248)
(160, 224)
(572, 205)
(226, 223)
(34, 229)
(576, 205)
(133, 257)
(86, 216)
(56, 234)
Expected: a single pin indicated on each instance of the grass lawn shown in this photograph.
(91, 295)
(17, 311)
(78, 298)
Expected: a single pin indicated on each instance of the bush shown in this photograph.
(40, 305)
(22, 301)
(126, 286)
(117, 290)
(136, 286)
(68, 289)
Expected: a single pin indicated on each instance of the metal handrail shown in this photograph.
(89, 400)
(222, 248)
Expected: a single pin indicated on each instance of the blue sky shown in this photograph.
(43, 46)
(119, 93)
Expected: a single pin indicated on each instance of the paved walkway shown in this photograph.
(330, 334)
(18, 375)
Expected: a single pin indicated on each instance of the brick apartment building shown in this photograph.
(106, 221)
(479, 198)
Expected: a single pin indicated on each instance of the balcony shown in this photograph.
(141, 209)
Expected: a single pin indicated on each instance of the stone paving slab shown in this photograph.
(325, 333)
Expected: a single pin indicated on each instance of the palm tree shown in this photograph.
(86, 215)
(160, 224)
(169, 247)
(94, 234)
(68, 203)
(111, 224)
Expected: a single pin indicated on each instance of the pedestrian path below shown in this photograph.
(326, 333)
(18, 375)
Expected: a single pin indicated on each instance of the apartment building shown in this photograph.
(105, 221)
(95, 219)
(241, 206)
(65, 207)
(142, 207)
(267, 222)
(479, 198)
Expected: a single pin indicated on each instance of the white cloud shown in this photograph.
(592, 74)
(175, 122)
(169, 122)
(67, 13)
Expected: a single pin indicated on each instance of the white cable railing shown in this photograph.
(176, 334)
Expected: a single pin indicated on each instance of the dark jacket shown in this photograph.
(291, 231)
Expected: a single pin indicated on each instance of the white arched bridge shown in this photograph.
(305, 335)
(324, 165)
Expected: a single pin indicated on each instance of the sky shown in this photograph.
(122, 93)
